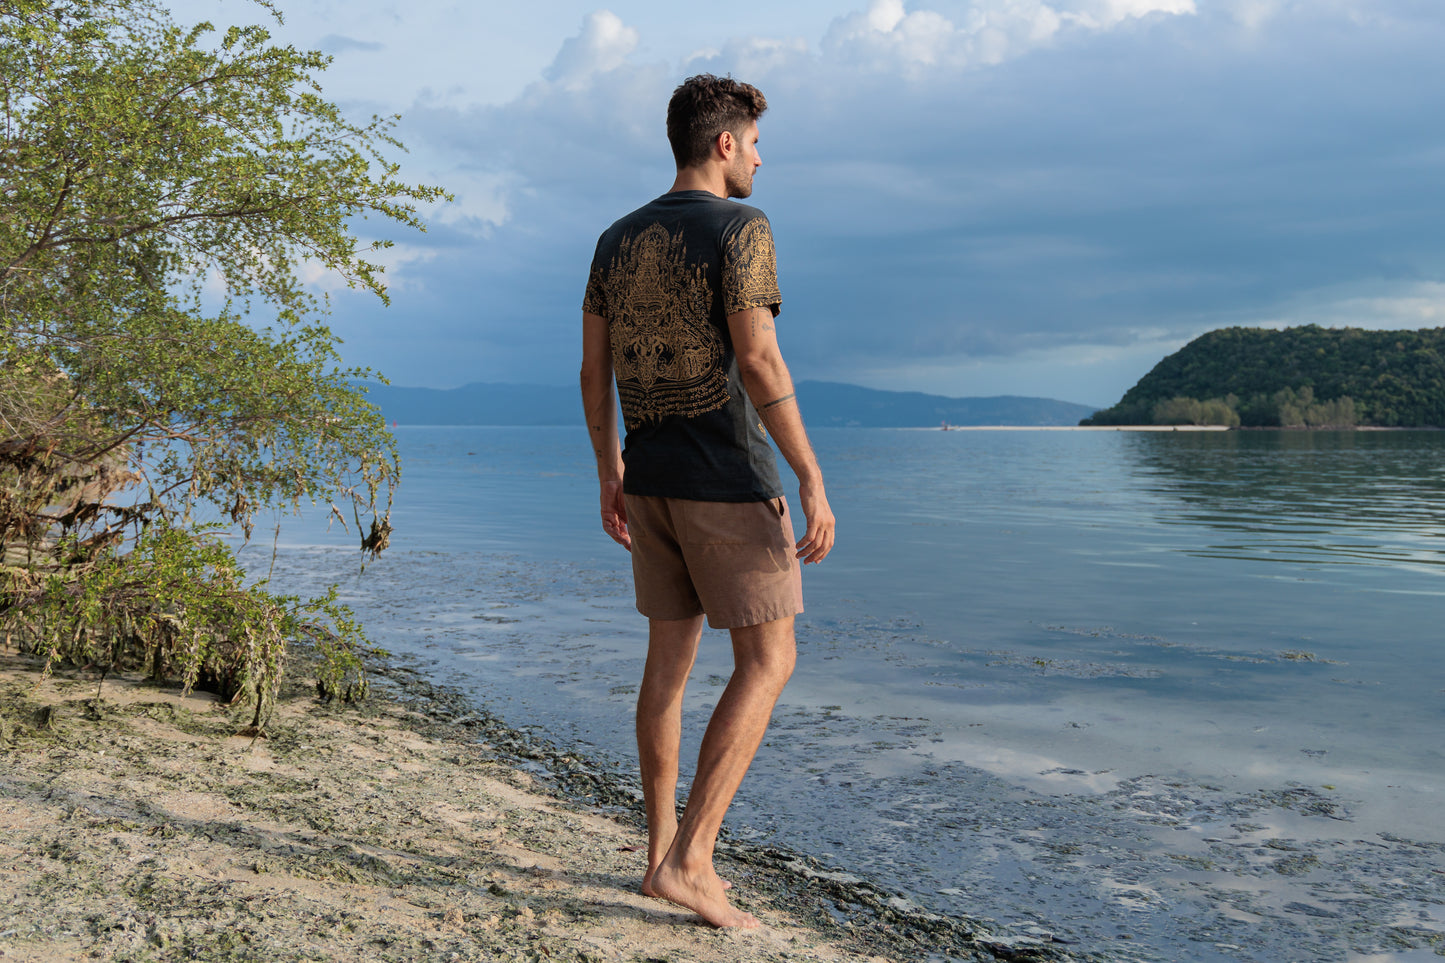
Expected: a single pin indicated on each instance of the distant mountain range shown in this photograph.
(824, 403)
(831, 403)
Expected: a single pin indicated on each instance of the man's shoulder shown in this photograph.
(678, 210)
(746, 212)
(632, 223)
(731, 213)
(627, 220)
(695, 203)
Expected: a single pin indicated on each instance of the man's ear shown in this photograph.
(726, 144)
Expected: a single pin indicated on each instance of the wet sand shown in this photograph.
(135, 825)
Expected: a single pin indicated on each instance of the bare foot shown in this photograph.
(700, 892)
(659, 841)
(647, 889)
(660, 846)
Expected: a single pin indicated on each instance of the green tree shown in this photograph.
(159, 185)
(1300, 377)
(1177, 411)
(1192, 411)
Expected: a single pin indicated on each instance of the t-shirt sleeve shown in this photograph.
(595, 300)
(750, 268)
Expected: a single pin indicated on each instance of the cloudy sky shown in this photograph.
(970, 197)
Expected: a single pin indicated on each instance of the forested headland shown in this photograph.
(1304, 377)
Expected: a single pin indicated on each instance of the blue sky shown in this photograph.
(970, 197)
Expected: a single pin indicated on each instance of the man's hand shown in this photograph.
(817, 541)
(614, 514)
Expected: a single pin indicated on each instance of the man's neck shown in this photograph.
(708, 178)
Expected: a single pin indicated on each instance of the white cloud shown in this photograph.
(397, 260)
(1109, 13)
(213, 288)
(1256, 15)
(601, 47)
(1040, 196)
(338, 43)
(322, 279)
(1407, 305)
(481, 200)
(883, 16)
(887, 36)
(758, 58)
(1082, 372)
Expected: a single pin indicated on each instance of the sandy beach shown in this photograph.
(137, 826)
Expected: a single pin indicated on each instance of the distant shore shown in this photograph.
(1077, 428)
(1160, 428)
(136, 825)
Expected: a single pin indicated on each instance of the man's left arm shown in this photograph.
(770, 387)
(600, 404)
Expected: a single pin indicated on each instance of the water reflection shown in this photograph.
(1341, 497)
(1026, 667)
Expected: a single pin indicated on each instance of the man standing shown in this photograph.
(679, 307)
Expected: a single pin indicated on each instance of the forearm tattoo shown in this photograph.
(773, 404)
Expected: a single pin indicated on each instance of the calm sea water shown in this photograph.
(1168, 696)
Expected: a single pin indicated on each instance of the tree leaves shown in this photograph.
(1295, 377)
(162, 188)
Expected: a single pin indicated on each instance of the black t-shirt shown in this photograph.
(666, 277)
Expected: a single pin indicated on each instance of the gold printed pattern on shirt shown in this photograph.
(750, 268)
(667, 354)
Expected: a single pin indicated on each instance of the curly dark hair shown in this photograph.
(703, 107)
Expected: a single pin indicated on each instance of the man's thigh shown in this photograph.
(659, 569)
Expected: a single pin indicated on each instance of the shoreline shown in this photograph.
(1169, 428)
(415, 825)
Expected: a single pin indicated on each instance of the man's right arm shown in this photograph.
(600, 404)
(770, 387)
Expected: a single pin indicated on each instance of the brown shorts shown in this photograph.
(734, 561)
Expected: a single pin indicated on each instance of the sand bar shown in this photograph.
(136, 826)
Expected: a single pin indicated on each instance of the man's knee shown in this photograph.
(768, 649)
(783, 663)
(778, 662)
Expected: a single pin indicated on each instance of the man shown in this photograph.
(679, 307)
